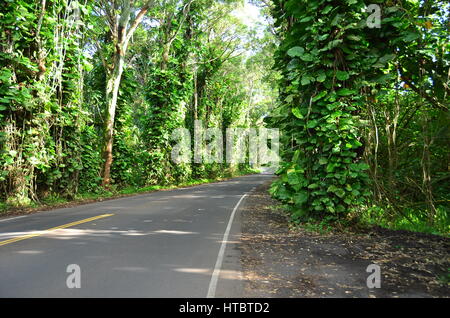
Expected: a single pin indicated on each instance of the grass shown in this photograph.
(321, 227)
(445, 279)
(3, 207)
(55, 200)
(410, 220)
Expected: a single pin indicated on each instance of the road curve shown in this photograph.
(162, 244)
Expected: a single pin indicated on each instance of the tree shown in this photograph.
(121, 22)
(361, 110)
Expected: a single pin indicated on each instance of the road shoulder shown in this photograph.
(280, 262)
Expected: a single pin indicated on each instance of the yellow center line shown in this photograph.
(24, 237)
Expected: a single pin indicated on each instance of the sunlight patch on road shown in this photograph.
(29, 252)
(40, 233)
(175, 232)
(135, 269)
(224, 273)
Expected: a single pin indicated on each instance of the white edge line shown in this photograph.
(215, 275)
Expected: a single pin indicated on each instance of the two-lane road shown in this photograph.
(162, 244)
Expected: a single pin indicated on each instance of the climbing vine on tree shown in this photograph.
(323, 59)
(334, 65)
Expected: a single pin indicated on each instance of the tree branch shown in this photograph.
(138, 19)
(432, 100)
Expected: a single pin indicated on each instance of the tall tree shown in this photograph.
(121, 21)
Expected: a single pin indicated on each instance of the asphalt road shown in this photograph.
(162, 244)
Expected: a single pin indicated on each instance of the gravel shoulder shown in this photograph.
(278, 261)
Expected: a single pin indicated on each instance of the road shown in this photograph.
(161, 244)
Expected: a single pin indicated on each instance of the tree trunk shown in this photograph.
(112, 91)
(165, 56)
(195, 95)
(122, 35)
(427, 188)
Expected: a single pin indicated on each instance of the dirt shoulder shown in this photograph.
(280, 262)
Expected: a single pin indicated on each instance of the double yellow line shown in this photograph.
(24, 237)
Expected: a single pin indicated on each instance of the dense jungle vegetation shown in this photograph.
(90, 92)
(365, 111)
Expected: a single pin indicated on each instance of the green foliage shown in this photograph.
(55, 62)
(40, 103)
(167, 91)
(411, 219)
(90, 178)
(322, 172)
(364, 112)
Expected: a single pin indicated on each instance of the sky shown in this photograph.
(249, 14)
